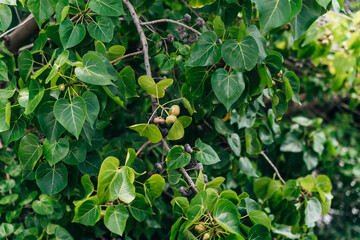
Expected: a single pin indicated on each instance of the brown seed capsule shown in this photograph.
(186, 18)
(200, 228)
(159, 120)
(200, 22)
(322, 37)
(171, 119)
(192, 38)
(174, 110)
(170, 38)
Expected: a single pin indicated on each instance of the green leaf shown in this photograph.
(139, 208)
(154, 89)
(71, 115)
(115, 52)
(273, 13)
(206, 154)
(9, 91)
(177, 158)
(246, 167)
(310, 159)
(196, 209)
(323, 3)
(111, 8)
(206, 51)
(279, 104)
(92, 107)
(219, 27)
(227, 87)
(165, 62)
(241, 56)
(5, 17)
(56, 151)
(43, 206)
(225, 213)
(150, 131)
(6, 229)
(8, 2)
(200, 3)
(185, 121)
(115, 219)
(294, 83)
(71, 35)
(153, 187)
(292, 143)
(258, 232)
(29, 153)
(94, 71)
(292, 189)
(48, 123)
(5, 116)
(3, 72)
(196, 77)
(176, 131)
(295, 6)
(312, 212)
(130, 157)
(310, 11)
(25, 63)
(259, 217)
(126, 78)
(122, 186)
(41, 9)
(107, 174)
(16, 131)
(53, 179)
(62, 10)
(87, 212)
(102, 29)
(252, 142)
(319, 142)
(36, 93)
(62, 234)
(260, 40)
(76, 153)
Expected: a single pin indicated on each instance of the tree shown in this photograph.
(163, 119)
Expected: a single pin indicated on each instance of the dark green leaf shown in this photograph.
(177, 158)
(206, 51)
(53, 179)
(206, 154)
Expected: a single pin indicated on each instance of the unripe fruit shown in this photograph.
(325, 42)
(200, 228)
(159, 120)
(61, 87)
(206, 236)
(174, 110)
(171, 119)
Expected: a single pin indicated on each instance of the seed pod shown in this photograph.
(180, 29)
(170, 38)
(200, 22)
(171, 119)
(61, 87)
(205, 178)
(322, 37)
(174, 110)
(325, 42)
(206, 236)
(192, 38)
(183, 35)
(185, 192)
(198, 167)
(158, 166)
(159, 120)
(331, 37)
(188, 148)
(200, 228)
(186, 18)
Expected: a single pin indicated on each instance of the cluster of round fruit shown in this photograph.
(327, 38)
(181, 30)
(206, 231)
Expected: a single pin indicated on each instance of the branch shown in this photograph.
(171, 21)
(125, 56)
(197, 14)
(142, 147)
(274, 167)
(144, 43)
(30, 18)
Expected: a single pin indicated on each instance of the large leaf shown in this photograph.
(94, 70)
(55, 151)
(252, 142)
(176, 131)
(5, 115)
(5, 17)
(43, 206)
(29, 153)
(127, 79)
(177, 158)
(41, 9)
(206, 154)
(241, 56)
(154, 89)
(153, 187)
(102, 29)
(25, 63)
(3, 71)
(53, 179)
(87, 212)
(273, 13)
(312, 212)
(92, 107)
(48, 123)
(122, 186)
(139, 208)
(71, 35)
(227, 87)
(150, 131)
(107, 174)
(206, 51)
(196, 208)
(259, 217)
(112, 8)
(115, 219)
(76, 154)
(71, 115)
(200, 3)
(62, 234)
(225, 213)
(36, 93)
(258, 232)
(16, 131)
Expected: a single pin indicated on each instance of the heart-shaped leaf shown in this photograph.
(71, 115)
(71, 35)
(53, 179)
(122, 186)
(48, 123)
(153, 187)
(206, 51)
(92, 107)
(102, 29)
(226, 215)
(30, 151)
(87, 212)
(115, 219)
(76, 154)
(5, 17)
(36, 93)
(94, 71)
(177, 158)
(227, 87)
(206, 154)
(150, 131)
(154, 89)
(25, 63)
(55, 151)
(111, 8)
(41, 9)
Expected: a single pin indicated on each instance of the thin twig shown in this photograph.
(197, 14)
(125, 56)
(274, 167)
(171, 21)
(144, 43)
(17, 26)
(142, 147)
